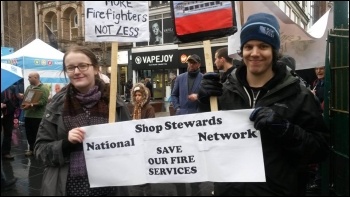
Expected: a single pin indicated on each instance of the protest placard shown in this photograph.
(121, 21)
(220, 146)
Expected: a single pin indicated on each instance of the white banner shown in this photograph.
(121, 21)
(307, 48)
(215, 146)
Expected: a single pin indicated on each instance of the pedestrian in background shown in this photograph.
(149, 85)
(184, 93)
(33, 112)
(223, 62)
(289, 61)
(318, 85)
(184, 99)
(293, 132)
(83, 102)
(6, 184)
(9, 104)
(128, 87)
(140, 98)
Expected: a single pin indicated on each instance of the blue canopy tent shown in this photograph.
(40, 57)
(10, 74)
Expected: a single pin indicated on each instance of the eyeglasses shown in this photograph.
(81, 67)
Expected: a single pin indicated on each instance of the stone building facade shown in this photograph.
(17, 23)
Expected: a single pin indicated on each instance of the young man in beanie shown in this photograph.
(292, 129)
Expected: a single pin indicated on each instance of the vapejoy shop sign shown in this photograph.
(155, 59)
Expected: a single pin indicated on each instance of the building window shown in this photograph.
(281, 5)
(73, 20)
(292, 16)
(155, 3)
(303, 5)
(54, 24)
(287, 11)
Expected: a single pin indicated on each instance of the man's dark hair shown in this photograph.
(223, 52)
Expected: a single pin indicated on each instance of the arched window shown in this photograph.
(73, 21)
(54, 24)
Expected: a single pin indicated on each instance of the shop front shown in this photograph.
(158, 65)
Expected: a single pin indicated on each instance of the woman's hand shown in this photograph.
(76, 135)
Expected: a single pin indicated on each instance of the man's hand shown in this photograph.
(265, 119)
(193, 97)
(28, 105)
(20, 96)
(210, 85)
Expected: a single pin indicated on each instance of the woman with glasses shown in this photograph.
(83, 102)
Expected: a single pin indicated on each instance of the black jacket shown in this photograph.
(9, 97)
(283, 157)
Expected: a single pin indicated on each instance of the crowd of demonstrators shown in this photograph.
(140, 98)
(9, 104)
(184, 99)
(293, 132)
(83, 102)
(33, 112)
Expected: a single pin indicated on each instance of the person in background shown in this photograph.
(128, 87)
(9, 104)
(83, 102)
(6, 184)
(105, 78)
(317, 87)
(172, 77)
(140, 98)
(57, 88)
(223, 62)
(33, 112)
(186, 87)
(184, 98)
(290, 63)
(293, 132)
(20, 95)
(149, 86)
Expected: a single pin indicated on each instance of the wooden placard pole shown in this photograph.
(209, 68)
(113, 84)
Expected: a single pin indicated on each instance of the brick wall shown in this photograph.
(19, 23)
